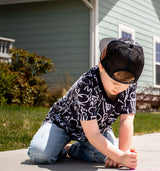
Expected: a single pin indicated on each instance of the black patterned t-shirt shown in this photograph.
(87, 100)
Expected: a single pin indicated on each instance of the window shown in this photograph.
(5, 45)
(125, 31)
(156, 55)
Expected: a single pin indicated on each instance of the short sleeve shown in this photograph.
(86, 99)
(130, 100)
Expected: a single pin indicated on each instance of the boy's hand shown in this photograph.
(129, 159)
(111, 163)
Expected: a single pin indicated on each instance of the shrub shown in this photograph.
(30, 64)
(30, 87)
(21, 81)
(6, 84)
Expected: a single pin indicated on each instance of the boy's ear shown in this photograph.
(100, 67)
(103, 54)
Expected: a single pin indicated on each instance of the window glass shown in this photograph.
(158, 52)
(158, 74)
(126, 35)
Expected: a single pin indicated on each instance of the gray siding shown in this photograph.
(143, 16)
(56, 29)
(17, 1)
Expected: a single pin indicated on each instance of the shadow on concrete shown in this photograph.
(73, 165)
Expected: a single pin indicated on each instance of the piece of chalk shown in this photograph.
(133, 151)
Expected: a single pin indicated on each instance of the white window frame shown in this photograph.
(155, 40)
(5, 45)
(126, 29)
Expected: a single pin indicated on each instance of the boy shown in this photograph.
(91, 105)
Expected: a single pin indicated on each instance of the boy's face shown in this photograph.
(111, 86)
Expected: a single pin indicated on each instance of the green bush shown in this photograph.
(21, 81)
(28, 64)
(30, 87)
(6, 84)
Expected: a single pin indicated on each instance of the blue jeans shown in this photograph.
(47, 146)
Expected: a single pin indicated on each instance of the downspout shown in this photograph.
(93, 46)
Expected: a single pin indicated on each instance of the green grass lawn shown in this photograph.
(143, 123)
(18, 125)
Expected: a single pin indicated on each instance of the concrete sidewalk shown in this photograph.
(148, 147)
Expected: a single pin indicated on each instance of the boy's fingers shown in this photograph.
(110, 163)
(134, 156)
(115, 164)
(106, 163)
(134, 160)
(119, 165)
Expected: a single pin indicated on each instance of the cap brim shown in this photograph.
(104, 42)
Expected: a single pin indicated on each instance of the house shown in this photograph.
(69, 31)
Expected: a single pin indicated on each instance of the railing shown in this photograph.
(5, 45)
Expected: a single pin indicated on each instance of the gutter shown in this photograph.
(93, 6)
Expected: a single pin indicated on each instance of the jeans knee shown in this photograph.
(38, 156)
(38, 160)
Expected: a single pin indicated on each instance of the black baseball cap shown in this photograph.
(122, 54)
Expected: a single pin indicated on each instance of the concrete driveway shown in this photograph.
(148, 147)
